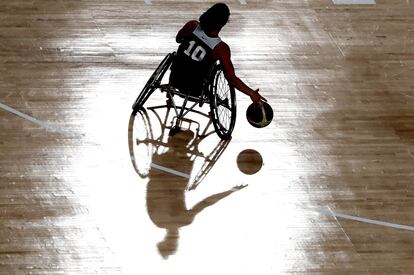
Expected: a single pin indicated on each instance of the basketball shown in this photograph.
(259, 116)
(249, 161)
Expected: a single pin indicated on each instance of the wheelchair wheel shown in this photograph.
(152, 83)
(222, 104)
(140, 136)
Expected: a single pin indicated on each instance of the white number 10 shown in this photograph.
(198, 53)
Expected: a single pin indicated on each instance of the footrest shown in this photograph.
(189, 122)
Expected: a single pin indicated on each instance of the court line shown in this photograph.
(56, 128)
(329, 212)
(169, 170)
(335, 214)
(336, 44)
(354, 2)
(44, 124)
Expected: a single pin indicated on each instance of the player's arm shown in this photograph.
(186, 31)
(224, 55)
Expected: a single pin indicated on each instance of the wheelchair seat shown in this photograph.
(185, 85)
(188, 83)
(183, 93)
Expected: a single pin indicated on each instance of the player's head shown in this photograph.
(168, 246)
(215, 17)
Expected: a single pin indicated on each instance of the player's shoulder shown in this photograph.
(223, 47)
(221, 51)
(192, 24)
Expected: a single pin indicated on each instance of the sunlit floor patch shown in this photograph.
(354, 2)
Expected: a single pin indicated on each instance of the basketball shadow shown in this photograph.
(167, 162)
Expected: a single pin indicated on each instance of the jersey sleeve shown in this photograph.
(186, 31)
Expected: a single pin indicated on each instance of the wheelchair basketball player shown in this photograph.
(200, 47)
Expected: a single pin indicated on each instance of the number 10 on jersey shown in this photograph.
(196, 54)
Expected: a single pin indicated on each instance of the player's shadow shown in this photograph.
(168, 174)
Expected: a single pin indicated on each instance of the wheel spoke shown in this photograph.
(222, 103)
(223, 106)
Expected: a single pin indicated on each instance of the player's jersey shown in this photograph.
(193, 61)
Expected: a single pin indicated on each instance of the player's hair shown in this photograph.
(215, 17)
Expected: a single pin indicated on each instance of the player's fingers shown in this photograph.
(260, 96)
(257, 103)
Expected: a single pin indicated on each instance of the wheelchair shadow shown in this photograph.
(166, 191)
(151, 142)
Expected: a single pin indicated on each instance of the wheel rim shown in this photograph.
(142, 150)
(224, 104)
(153, 82)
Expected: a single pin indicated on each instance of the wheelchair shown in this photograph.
(216, 92)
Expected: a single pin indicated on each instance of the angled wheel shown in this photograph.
(153, 82)
(140, 138)
(222, 104)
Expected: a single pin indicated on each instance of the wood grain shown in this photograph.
(339, 78)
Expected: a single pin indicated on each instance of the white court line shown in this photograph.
(44, 124)
(169, 170)
(336, 44)
(359, 219)
(354, 2)
(55, 128)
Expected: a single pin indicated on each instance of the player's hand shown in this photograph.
(256, 98)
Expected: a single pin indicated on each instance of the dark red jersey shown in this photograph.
(194, 58)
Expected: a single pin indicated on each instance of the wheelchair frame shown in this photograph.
(216, 91)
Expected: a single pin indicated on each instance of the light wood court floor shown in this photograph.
(335, 193)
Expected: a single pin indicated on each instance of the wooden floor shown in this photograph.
(79, 194)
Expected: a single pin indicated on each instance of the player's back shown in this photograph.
(193, 61)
